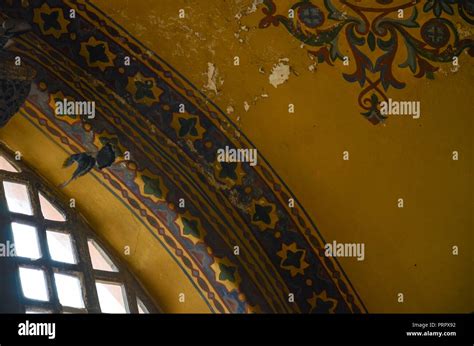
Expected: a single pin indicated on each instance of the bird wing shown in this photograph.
(71, 159)
(106, 156)
(85, 163)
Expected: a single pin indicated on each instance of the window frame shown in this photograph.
(12, 299)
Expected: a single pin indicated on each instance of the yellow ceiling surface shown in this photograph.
(407, 250)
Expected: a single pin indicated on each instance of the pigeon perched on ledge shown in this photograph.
(104, 158)
(15, 81)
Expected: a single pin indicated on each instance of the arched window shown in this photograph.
(50, 260)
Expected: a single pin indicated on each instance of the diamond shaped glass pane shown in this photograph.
(33, 284)
(61, 247)
(69, 290)
(25, 239)
(49, 211)
(111, 298)
(100, 260)
(5, 165)
(17, 198)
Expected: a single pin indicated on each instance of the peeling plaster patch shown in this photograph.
(249, 10)
(152, 19)
(211, 49)
(213, 79)
(448, 69)
(463, 31)
(253, 7)
(230, 110)
(237, 131)
(242, 28)
(140, 28)
(237, 36)
(246, 106)
(442, 71)
(244, 8)
(314, 65)
(259, 97)
(280, 73)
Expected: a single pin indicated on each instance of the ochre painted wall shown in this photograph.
(407, 250)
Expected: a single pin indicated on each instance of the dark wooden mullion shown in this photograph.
(41, 231)
(123, 275)
(79, 266)
(117, 277)
(53, 292)
(43, 262)
(69, 309)
(58, 226)
(80, 232)
(10, 176)
(76, 270)
(51, 266)
(23, 218)
(15, 177)
(91, 298)
(61, 267)
(131, 296)
(112, 277)
(65, 227)
(38, 304)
